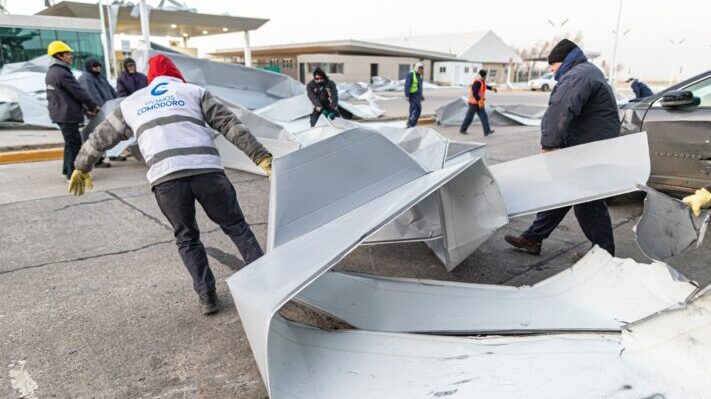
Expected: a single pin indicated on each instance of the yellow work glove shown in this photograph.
(702, 199)
(481, 104)
(78, 182)
(266, 165)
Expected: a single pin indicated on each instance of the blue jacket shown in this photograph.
(128, 83)
(98, 87)
(408, 83)
(582, 108)
(641, 90)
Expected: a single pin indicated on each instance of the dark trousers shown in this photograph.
(593, 217)
(72, 145)
(469, 117)
(415, 110)
(214, 192)
(313, 118)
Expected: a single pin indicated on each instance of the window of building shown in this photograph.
(328, 67)
(443, 69)
(19, 44)
(492, 74)
(466, 69)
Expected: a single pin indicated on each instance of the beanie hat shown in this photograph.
(561, 50)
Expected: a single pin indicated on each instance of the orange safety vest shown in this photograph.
(482, 90)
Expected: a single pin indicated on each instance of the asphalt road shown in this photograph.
(94, 301)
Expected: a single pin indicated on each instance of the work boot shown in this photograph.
(209, 303)
(463, 132)
(102, 164)
(528, 245)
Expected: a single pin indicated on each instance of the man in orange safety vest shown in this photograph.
(476, 100)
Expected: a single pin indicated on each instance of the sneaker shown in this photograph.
(209, 303)
(119, 158)
(490, 133)
(528, 245)
(102, 164)
(463, 132)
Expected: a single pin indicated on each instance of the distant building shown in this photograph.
(24, 37)
(484, 50)
(344, 60)
(450, 59)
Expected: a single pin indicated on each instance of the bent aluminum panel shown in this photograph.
(574, 175)
(598, 293)
(667, 226)
(262, 287)
(667, 356)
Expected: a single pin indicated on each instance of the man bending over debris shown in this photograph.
(323, 94)
(171, 120)
(582, 109)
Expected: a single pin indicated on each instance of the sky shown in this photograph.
(646, 50)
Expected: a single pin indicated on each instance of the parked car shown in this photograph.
(678, 123)
(544, 83)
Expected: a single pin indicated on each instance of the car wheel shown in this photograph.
(544, 88)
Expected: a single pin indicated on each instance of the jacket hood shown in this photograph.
(319, 71)
(161, 65)
(128, 61)
(91, 62)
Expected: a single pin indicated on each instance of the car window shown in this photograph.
(702, 90)
(547, 76)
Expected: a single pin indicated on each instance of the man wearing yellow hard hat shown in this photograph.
(67, 101)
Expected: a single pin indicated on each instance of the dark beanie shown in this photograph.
(561, 50)
(482, 73)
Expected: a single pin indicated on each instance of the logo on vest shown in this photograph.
(159, 90)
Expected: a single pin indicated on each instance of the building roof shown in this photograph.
(351, 47)
(163, 22)
(483, 46)
(47, 22)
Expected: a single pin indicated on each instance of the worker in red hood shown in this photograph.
(173, 122)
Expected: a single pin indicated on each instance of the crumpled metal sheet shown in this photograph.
(453, 113)
(319, 218)
(667, 226)
(21, 108)
(598, 293)
(574, 175)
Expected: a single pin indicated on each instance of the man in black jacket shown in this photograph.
(67, 102)
(581, 109)
(323, 94)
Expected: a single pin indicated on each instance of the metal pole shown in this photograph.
(104, 41)
(247, 50)
(145, 26)
(613, 67)
(111, 38)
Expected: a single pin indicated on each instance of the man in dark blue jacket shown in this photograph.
(640, 89)
(130, 80)
(413, 92)
(67, 102)
(582, 109)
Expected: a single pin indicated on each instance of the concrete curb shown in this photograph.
(47, 154)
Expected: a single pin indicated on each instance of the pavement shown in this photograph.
(94, 301)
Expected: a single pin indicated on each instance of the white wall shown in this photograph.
(356, 68)
(454, 73)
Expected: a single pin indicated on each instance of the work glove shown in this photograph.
(78, 183)
(266, 165)
(702, 199)
(480, 103)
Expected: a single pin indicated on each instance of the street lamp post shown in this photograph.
(613, 68)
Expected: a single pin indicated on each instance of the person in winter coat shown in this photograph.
(130, 80)
(99, 89)
(323, 94)
(95, 83)
(582, 109)
(175, 122)
(476, 101)
(640, 89)
(67, 102)
(413, 92)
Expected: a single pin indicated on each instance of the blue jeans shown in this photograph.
(415, 110)
(176, 199)
(483, 117)
(593, 217)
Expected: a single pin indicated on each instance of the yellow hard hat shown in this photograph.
(58, 46)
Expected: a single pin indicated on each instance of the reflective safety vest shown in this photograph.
(415, 81)
(170, 128)
(482, 89)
